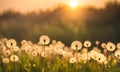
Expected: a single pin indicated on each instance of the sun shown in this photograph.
(73, 3)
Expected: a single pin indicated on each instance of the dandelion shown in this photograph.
(14, 58)
(11, 43)
(28, 49)
(110, 46)
(2, 48)
(101, 58)
(5, 60)
(72, 60)
(43, 54)
(87, 43)
(24, 42)
(54, 42)
(97, 43)
(7, 53)
(34, 53)
(85, 57)
(105, 62)
(16, 48)
(118, 45)
(84, 50)
(117, 54)
(44, 39)
(103, 45)
(93, 54)
(97, 49)
(76, 45)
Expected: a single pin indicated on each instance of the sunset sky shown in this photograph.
(32, 5)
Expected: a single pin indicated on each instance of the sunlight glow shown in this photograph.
(73, 3)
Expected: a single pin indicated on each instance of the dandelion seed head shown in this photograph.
(7, 53)
(103, 45)
(110, 46)
(5, 60)
(117, 54)
(34, 53)
(11, 43)
(44, 39)
(87, 43)
(101, 58)
(118, 45)
(43, 54)
(76, 45)
(14, 58)
(72, 60)
(97, 42)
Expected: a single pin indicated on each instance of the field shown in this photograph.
(54, 56)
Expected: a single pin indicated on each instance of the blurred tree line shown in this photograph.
(64, 23)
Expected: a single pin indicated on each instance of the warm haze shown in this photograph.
(34, 5)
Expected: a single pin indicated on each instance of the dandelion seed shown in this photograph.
(110, 46)
(72, 60)
(44, 39)
(11, 43)
(14, 58)
(76, 45)
(87, 43)
(5, 60)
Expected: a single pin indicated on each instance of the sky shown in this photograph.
(33, 5)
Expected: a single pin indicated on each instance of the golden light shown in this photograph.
(73, 3)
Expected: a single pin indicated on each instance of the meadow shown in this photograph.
(85, 39)
(54, 56)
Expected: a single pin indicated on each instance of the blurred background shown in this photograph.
(64, 20)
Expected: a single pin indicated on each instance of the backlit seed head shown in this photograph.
(16, 48)
(118, 45)
(24, 42)
(14, 58)
(117, 54)
(2, 48)
(44, 39)
(72, 60)
(43, 54)
(103, 45)
(97, 42)
(110, 46)
(76, 45)
(101, 58)
(84, 50)
(28, 49)
(11, 43)
(34, 53)
(7, 53)
(87, 43)
(5, 60)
